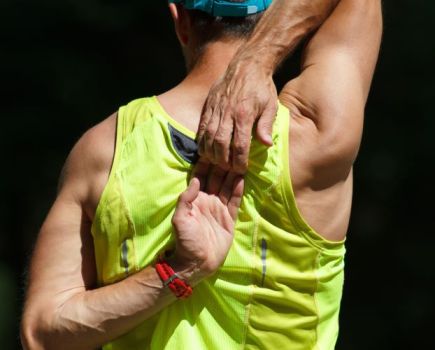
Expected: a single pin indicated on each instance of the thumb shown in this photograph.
(190, 194)
(265, 125)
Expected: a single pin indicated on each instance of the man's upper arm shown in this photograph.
(337, 70)
(63, 261)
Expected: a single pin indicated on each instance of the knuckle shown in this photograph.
(202, 126)
(240, 167)
(220, 150)
(213, 159)
(220, 172)
(265, 124)
(223, 163)
(221, 140)
(243, 133)
(209, 132)
(240, 147)
(209, 155)
(241, 111)
(239, 150)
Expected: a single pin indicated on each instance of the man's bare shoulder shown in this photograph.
(330, 128)
(88, 165)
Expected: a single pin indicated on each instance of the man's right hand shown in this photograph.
(204, 225)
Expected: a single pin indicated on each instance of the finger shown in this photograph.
(206, 115)
(215, 179)
(265, 124)
(222, 142)
(210, 133)
(236, 197)
(200, 172)
(189, 195)
(226, 189)
(241, 144)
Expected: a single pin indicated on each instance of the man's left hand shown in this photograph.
(246, 93)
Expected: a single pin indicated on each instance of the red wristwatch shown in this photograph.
(178, 286)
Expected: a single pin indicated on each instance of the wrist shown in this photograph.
(247, 62)
(188, 271)
(263, 52)
(178, 285)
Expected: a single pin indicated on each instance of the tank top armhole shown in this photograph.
(119, 137)
(294, 215)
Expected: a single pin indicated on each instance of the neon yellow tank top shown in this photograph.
(281, 283)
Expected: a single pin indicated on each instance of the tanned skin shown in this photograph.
(246, 93)
(327, 101)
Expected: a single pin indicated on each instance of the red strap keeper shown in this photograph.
(179, 287)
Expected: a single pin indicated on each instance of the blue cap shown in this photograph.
(223, 8)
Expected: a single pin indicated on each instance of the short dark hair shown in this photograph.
(208, 28)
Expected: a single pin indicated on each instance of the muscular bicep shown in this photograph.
(337, 70)
(348, 40)
(333, 104)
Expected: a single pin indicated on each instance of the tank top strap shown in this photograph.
(133, 114)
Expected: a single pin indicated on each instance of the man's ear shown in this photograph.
(181, 22)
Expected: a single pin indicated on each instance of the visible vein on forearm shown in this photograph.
(282, 28)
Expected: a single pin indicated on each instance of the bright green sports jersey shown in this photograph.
(281, 283)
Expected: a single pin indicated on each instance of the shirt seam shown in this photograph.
(252, 285)
(316, 303)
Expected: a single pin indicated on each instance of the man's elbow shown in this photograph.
(35, 333)
(29, 331)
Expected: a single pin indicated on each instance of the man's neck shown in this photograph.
(185, 101)
(212, 64)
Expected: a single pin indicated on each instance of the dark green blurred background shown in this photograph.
(65, 65)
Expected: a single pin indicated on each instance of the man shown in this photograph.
(269, 280)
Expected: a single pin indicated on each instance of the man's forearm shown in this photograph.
(247, 92)
(282, 28)
(92, 318)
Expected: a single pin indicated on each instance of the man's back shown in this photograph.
(318, 153)
(318, 145)
(281, 282)
(323, 200)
